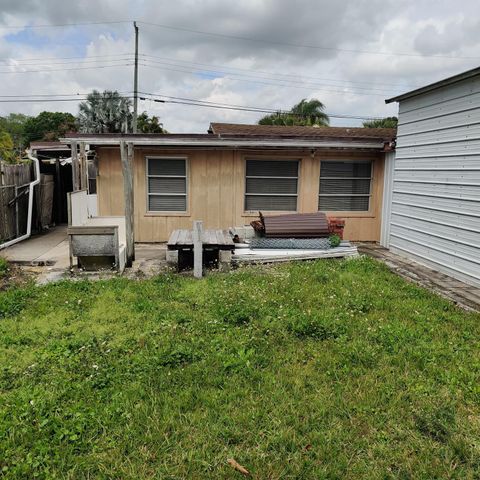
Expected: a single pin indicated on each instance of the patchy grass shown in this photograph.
(328, 369)
(11, 276)
(3, 267)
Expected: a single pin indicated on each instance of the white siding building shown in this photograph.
(432, 188)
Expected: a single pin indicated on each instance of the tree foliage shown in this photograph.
(305, 113)
(7, 152)
(49, 126)
(106, 112)
(387, 122)
(146, 124)
(14, 125)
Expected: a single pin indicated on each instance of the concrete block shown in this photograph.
(172, 258)
(224, 260)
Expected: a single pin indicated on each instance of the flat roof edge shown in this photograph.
(433, 86)
(231, 143)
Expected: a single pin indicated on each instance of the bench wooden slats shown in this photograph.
(182, 239)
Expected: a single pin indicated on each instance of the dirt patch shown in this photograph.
(12, 275)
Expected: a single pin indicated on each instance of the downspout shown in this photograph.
(36, 164)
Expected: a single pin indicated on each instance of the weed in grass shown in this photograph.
(317, 325)
(436, 422)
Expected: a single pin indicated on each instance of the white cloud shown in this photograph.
(430, 27)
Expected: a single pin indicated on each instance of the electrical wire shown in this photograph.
(224, 67)
(342, 92)
(289, 81)
(67, 69)
(295, 45)
(243, 38)
(204, 103)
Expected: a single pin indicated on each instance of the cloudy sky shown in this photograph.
(268, 54)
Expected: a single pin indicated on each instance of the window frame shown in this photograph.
(369, 195)
(270, 159)
(187, 186)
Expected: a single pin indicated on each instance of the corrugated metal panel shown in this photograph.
(435, 208)
(299, 225)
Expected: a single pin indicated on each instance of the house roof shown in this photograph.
(236, 129)
(433, 86)
(254, 136)
(49, 146)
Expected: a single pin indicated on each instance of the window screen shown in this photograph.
(271, 185)
(345, 186)
(167, 184)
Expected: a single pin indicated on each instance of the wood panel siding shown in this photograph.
(216, 189)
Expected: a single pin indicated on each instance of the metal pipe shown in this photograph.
(36, 164)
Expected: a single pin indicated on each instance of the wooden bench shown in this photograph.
(182, 242)
(214, 239)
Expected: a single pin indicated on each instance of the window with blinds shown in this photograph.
(167, 184)
(345, 186)
(271, 185)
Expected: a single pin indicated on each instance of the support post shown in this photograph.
(197, 249)
(83, 167)
(126, 155)
(75, 167)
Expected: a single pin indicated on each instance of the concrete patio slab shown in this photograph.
(49, 248)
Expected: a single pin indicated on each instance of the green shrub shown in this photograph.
(334, 240)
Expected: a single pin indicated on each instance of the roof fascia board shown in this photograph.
(227, 143)
(436, 85)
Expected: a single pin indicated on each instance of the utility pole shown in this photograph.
(135, 81)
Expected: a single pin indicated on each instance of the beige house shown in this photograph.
(225, 177)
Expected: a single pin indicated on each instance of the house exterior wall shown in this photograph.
(216, 187)
(435, 209)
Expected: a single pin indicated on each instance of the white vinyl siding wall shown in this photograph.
(166, 184)
(271, 185)
(435, 209)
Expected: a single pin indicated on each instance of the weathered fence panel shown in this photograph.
(17, 174)
(14, 182)
(8, 229)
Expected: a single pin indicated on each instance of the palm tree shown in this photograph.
(387, 122)
(106, 112)
(306, 113)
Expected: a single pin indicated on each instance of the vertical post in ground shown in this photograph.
(197, 249)
(126, 155)
(83, 167)
(75, 167)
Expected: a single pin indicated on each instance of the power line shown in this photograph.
(343, 92)
(35, 95)
(80, 62)
(295, 82)
(204, 103)
(295, 45)
(45, 25)
(243, 38)
(225, 67)
(67, 69)
(65, 58)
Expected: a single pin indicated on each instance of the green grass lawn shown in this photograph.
(328, 369)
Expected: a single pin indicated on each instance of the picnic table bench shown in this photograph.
(215, 239)
(216, 243)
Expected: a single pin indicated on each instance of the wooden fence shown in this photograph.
(14, 182)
